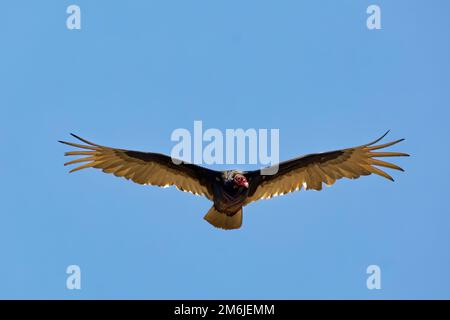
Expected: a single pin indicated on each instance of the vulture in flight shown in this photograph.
(231, 190)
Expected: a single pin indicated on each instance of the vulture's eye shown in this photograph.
(240, 180)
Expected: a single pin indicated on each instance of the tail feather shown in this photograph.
(221, 220)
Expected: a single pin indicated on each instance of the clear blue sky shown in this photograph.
(137, 70)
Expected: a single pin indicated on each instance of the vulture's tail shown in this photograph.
(222, 220)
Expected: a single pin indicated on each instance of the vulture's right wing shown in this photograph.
(144, 167)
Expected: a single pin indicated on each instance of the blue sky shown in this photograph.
(137, 70)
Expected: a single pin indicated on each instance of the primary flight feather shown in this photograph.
(232, 189)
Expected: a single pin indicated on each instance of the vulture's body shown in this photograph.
(231, 190)
(228, 199)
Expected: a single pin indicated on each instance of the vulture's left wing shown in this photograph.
(144, 167)
(312, 170)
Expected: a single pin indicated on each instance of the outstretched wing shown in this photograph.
(144, 167)
(312, 170)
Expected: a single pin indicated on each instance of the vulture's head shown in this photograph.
(240, 181)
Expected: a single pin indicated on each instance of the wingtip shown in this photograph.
(84, 140)
(377, 140)
(385, 134)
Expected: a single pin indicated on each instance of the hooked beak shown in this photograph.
(246, 184)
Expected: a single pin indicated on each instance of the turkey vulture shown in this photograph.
(232, 189)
